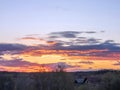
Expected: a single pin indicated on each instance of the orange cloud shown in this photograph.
(76, 54)
(67, 52)
(32, 38)
(29, 38)
(26, 69)
(51, 42)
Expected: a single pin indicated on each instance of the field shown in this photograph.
(96, 80)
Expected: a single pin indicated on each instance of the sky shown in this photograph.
(39, 35)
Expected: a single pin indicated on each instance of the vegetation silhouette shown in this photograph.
(60, 80)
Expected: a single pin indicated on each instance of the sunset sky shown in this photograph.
(39, 35)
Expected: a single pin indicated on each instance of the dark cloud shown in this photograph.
(53, 37)
(90, 32)
(69, 34)
(73, 46)
(65, 34)
(86, 41)
(109, 46)
(93, 41)
(8, 48)
(16, 63)
(11, 47)
(106, 49)
(82, 38)
(73, 38)
(102, 31)
(109, 41)
(1, 57)
(67, 38)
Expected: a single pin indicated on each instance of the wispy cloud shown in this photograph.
(86, 62)
(31, 38)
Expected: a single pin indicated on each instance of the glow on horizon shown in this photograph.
(75, 63)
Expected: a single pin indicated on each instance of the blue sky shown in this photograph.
(80, 34)
(23, 17)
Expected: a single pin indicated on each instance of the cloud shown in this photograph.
(105, 45)
(53, 37)
(93, 41)
(75, 45)
(51, 42)
(63, 59)
(117, 64)
(102, 31)
(31, 38)
(20, 65)
(28, 38)
(11, 47)
(86, 41)
(90, 32)
(65, 38)
(1, 57)
(102, 51)
(86, 62)
(65, 34)
(32, 35)
(71, 45)
(73, 38)
(17, 63)
(68, 34)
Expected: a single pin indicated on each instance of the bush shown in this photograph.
(111, 81)
(6, 83)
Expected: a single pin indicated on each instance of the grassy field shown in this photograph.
(97, 80)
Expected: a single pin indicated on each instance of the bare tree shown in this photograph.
(60, 67)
